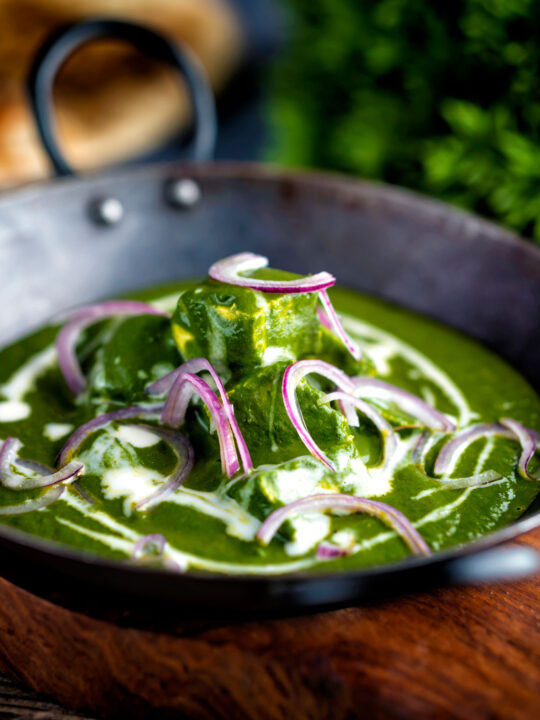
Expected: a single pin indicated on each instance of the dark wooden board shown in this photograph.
(18, 703)
(469, 652)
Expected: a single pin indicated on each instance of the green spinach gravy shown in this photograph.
(250, 337)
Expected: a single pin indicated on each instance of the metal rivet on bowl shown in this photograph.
(182, 194)
(107, 211)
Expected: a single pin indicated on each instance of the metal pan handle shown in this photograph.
(57, 49)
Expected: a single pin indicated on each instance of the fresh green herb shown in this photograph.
(440, 97)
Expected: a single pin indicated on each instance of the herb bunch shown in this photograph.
(440, 97)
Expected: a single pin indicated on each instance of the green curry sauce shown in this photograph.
(250, 338)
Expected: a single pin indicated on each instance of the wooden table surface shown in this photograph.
(469, 652)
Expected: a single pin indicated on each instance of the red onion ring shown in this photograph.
(141, 546)
(34, 466)
(449, 453)
(78, 321)
(228, 271)
(483, 478)
(417, 454)
(337, 327)
(197, 365)
(76, 439)
(184, 387)
(346, 409)
(185, 464)
(142, 550)
(323, 318)
(176, 439)
(45, 478)
(293, 374)
(509, 428)
(349, 411)
(327, 551)
(47, 498)
(389, 439)
(528, 443)
(409, 403)
(345, 503)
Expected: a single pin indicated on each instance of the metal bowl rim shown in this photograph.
(254, 172)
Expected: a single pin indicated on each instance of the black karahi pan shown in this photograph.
(75, 240)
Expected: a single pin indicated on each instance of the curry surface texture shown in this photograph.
(210, 523)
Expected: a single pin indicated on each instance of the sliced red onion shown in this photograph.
(78, 321)
(152, 547)
(345, 504)
(323, 318)
(47, 498)
(337, 327)
(508, 428)
(328, 551)
(75, 441)
(389, 438)
(34, 466)
(45, 477)
(483, 478)
(83, 492)
(184, 387)
(228, 271)
(529, 439)
(409, 403)
(450, 452)
(154, 544)
(184, 450)
(349, 411)
(197, 365)
(408, 426)
(528, 443)
(293, 374)
(417, 455)
(346, 409)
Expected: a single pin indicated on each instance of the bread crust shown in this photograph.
(111, 102)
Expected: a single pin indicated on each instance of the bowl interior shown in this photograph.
(388, 242)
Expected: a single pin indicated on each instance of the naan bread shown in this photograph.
(112, 103)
